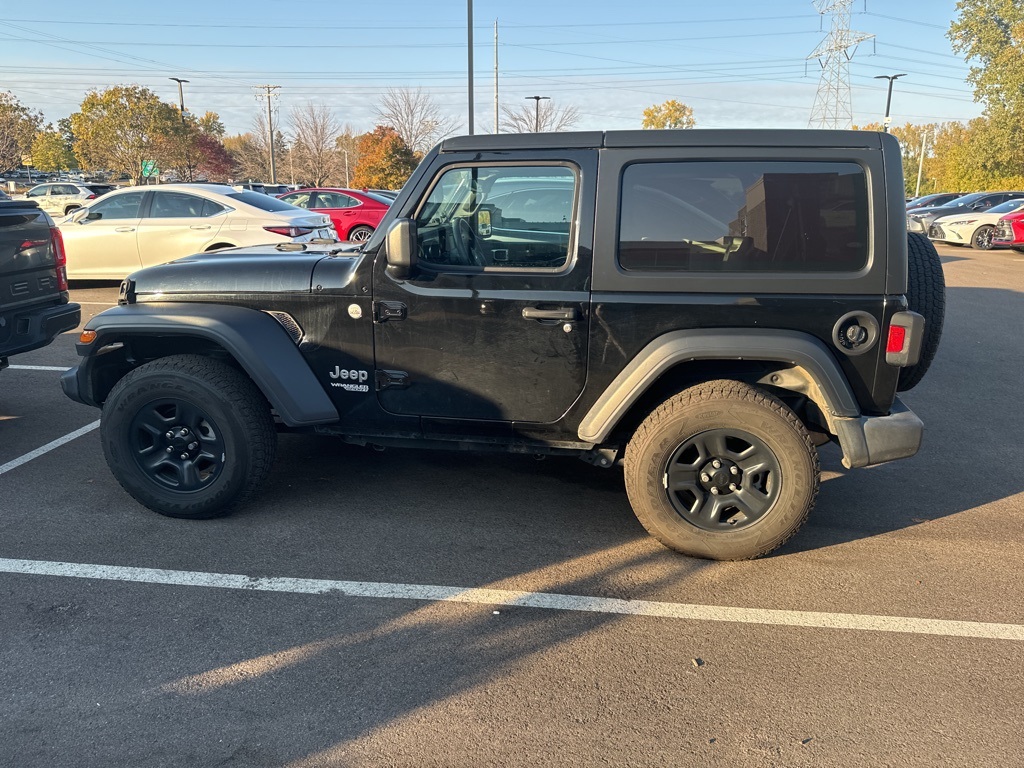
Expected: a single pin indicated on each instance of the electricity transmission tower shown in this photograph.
(832, 106)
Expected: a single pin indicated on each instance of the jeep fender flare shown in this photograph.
(257, 342)
(814, 365)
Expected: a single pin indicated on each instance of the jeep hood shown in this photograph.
(261, 269)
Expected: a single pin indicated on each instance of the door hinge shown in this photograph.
(386, 379)
(388, 310)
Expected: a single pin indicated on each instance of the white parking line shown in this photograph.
(37, 368)
(15, 463)
(372, 589)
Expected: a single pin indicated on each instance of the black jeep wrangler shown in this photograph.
(701, 307)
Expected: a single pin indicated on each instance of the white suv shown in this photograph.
(63, 197)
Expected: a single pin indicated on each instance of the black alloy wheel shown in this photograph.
(177, 445)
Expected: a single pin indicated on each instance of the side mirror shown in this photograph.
(93, 215)
(401, 248)
(483, 223)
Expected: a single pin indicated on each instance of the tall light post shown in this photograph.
(536, 111)
(181, 95)
(888, 99)
(469, 48)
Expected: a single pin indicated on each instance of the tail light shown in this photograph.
(290, 231)
(60, 258)
(903, 343)
(91, 197)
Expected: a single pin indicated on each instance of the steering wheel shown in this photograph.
(465, 239)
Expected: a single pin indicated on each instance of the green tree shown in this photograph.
(670, 114)
(52, 152)
(990, 34)
(385, 161)
(121, 127)
(18, 126)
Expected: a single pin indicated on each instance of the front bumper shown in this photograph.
(871, 440)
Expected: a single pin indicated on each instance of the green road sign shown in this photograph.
(149, 168)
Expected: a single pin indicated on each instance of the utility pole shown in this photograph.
(536, 111)
(469, 49)
(832, 104)
(269, 93)
(181, 96)
(920, 160)
(496, 76)
(888, 99)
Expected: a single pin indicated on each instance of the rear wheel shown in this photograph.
(188, 436)
(982, 238)
(360, 234)
(723, 471)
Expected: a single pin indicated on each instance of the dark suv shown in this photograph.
(703, 308)
(34, 298)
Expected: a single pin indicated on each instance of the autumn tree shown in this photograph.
(314, 153)
(540, 117)
(119, 128)
(385, 161)
(416, 118)
(52, 152)
(191, 149)
(18, 126)
(670, 114)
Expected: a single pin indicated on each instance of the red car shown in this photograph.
(1009, 231)
(355, 214)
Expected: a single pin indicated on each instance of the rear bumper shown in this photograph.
(35, 328)
(875, 439)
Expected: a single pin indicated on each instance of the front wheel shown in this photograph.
(723, 471)
(188, 436)
(982, 238)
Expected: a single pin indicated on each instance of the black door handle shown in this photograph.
(535, 313)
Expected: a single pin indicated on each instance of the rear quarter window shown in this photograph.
(743, 216)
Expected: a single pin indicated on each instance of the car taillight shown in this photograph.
(60, 258)
(91, 197)
(290, 231)
(897, 339)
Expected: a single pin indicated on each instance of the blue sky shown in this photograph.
(738, 63)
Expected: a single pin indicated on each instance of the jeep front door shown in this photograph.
(492, 323)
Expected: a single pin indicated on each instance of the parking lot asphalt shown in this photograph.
(396, 608)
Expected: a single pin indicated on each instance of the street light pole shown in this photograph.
(181, 95)
(536, 112)
(888, 98)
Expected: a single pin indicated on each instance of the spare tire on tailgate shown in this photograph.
(926, 295)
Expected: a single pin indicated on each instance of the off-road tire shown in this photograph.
(926, 295)
(714, 408)
(226, 416)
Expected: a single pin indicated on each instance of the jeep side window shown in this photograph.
(747, 216)
(499, 217)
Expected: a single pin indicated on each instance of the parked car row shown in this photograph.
(974, 219)
(110, 236)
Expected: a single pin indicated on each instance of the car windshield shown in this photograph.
(379, 198)
(261, 201)
(1008, 207)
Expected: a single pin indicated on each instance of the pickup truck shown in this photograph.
(35, 304)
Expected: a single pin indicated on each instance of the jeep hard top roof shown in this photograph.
(806, 137)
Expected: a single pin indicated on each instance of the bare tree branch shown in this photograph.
(542, 117)
(416, 118)
(315, 132)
